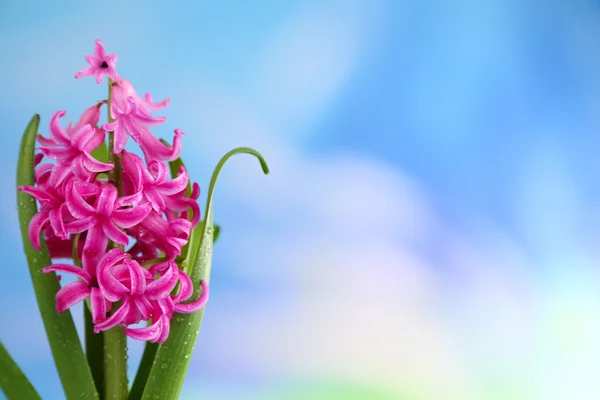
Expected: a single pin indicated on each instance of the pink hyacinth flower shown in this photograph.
(166, 307)
(123, 89)
(100, 64)
(102, 221)
(130, 121)
(72, 151)
(52, 210)
(122, 279)
(167, 236)
(180, 203)
(153, 182)
(74, 292)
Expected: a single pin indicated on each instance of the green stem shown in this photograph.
(114, 175)
(115, 341)
(94, 351)
(115, 364)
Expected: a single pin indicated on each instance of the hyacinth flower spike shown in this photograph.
(95, 199)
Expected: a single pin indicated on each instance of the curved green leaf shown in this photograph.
(66, 348)
(13, 381)
(150, 349)
(173, 357)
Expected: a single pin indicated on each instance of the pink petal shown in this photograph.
(114, 319)
(111, 287)
(114, 233)
(81, 225)
(35, 228)
(186, 288)
(90, 116)
(166, 327)
(120, 138)
(157, 171)
(164, 285)
(57, 222)
(56, 130)
(99, 51)
(113, 257)
(155, 199)
(154, 148)
(71, 269)
(188, 308)
(175, 185)
(59, 172)
(59, 153)
(98, 305)
(144, 305)
(132, 168)
(47, 142)
(133, 316)
(106, 201)
(87, 71)
(137, 278)
(150, 333)
(93, 165)
(111, 72)
(71, 294)
(79, 138)
(131, 200)
(128, 217)
(95, 245)
(111, 126)
(43, 196)
(87, 189)
(150, 105)
(78, 207)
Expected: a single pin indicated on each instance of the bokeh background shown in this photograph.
(430, 227)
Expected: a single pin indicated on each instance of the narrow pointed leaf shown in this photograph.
(173, 357)
(13, 381)
(64, 342)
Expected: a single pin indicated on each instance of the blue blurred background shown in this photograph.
(430, 226)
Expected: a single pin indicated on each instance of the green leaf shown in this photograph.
(66, 348)
(216, 233)
(100, 153)
(13, 381)
(141, 376)
(173, 357)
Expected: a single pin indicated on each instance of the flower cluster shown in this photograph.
(126, 224)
